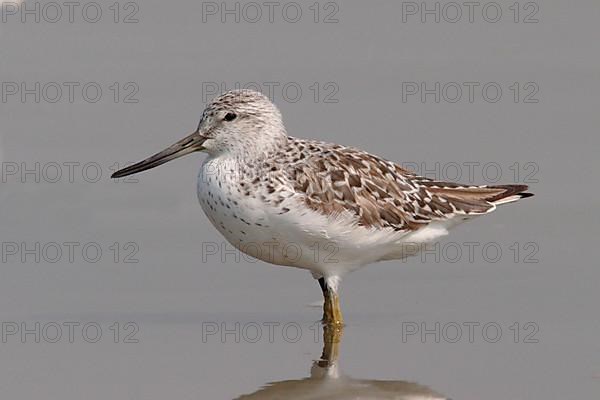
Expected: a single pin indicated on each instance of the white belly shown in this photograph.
(299, 237)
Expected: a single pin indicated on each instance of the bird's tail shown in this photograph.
(478, 199)
(508, 194)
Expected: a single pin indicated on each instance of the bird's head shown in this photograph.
(241, 122)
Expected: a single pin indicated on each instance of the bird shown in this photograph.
(323, 207)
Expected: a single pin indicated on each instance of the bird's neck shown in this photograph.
(245, 164)
(257, 149)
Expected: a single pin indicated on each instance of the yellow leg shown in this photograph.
(332, 313)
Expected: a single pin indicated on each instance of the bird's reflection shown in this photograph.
(326, 381)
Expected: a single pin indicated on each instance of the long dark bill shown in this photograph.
(188, 144)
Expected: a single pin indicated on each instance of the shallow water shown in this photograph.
(114, 290)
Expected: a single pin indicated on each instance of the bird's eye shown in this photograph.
(229, 117)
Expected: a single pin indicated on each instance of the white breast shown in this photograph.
(238, 213)
(297, 236)
(224, 203)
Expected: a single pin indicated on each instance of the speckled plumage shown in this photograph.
(296, 192)
(337, 208)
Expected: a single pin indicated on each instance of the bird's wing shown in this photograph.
(333, 179)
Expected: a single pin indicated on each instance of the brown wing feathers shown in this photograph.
(334, 179)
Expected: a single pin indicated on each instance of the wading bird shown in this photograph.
(323, 207)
